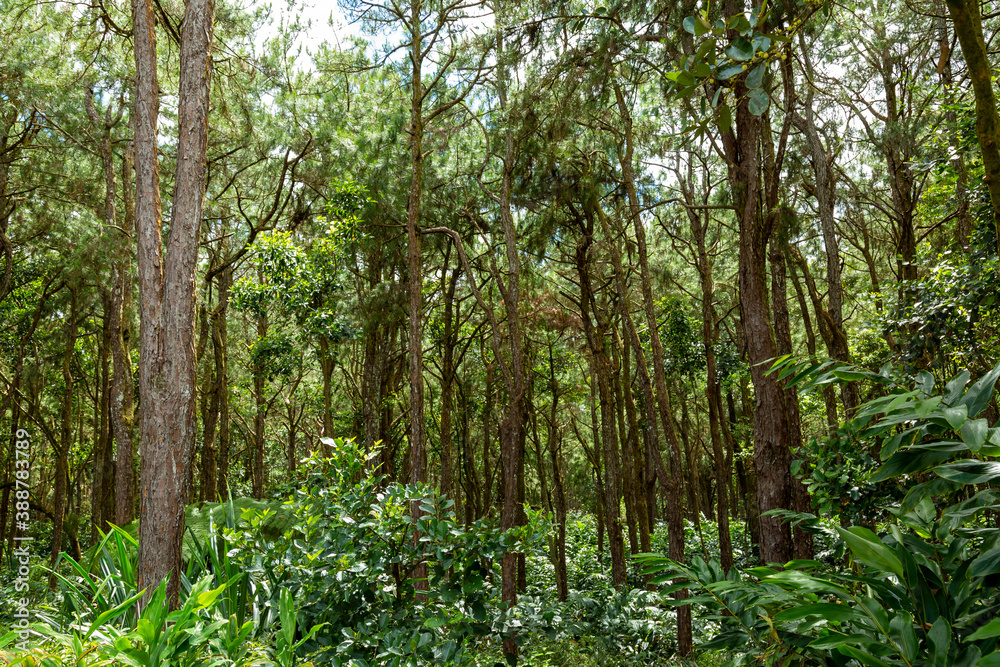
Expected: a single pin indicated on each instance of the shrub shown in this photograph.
(922, 593)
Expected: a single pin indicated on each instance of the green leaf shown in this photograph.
(759, 101)
(866, 547)
(939, 641)
(974, 433)
(953, 390)
(851, 376)
(907, 461)
(756, 76)
(981, 392)
(988, 631)
(741, 49)
(986, 563)
(989, 660)
(862, 657)
(725, 118)
(826, 610)
(970, 472)
(728, 72)
(956, 416)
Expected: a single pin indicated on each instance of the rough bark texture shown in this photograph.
(802, 542)
(415, 355)
(743, 146)
(167, 288)
(969, 28)
(554, 440)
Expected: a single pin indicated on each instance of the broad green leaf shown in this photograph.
(741, 49)
(851, 375)
(986, 563)
(834, 640)
(866, 547)
(953, 390)
(991, 629)
(728, 72)
(974, 433)
(980, 392)
(939, 640)
(756, 76)
(956, 416)
(705, 49)
(862, 657)
(907, 461)
(759, 100)
(826, 610)
(988, 660)
(970, 472)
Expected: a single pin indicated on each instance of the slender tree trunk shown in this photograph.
(554, 441)
(260, 417)
(448, 381)
(802, 543)
(710, 337)
(675, 520)
(59, 501)
(415, 281)
(122, 385)
(220, 348)
(595, 334)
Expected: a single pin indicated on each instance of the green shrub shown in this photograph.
(351, 561)
(922, 593)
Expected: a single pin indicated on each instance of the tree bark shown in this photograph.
(166, 287)
(65, 439)
(675, 521)
(969, 28)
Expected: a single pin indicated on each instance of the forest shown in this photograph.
(480, 332)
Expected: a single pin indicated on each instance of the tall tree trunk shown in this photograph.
(448, 380)
(710, 337)
(59, 501)
(675, 520)
(969, 27)
(802, 543)
(220, 348)
(595, 334)
(554, 441)
(122, 385)
(103, 484)
(260, 417)
(166, 287)
(414, 264)
(743, 145)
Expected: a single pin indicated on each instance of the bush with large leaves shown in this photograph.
(350, 557)
(924, 592)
